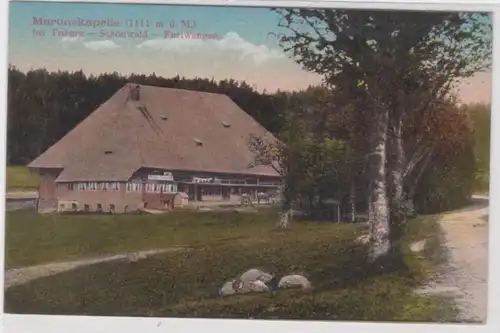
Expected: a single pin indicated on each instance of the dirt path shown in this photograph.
(465, 275)
(23, 275)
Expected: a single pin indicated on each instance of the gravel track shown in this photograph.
(464, 276)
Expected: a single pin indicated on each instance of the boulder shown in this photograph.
(258, 287)
(418, 246)
(245, 282)
(227, 289)
(294, 281)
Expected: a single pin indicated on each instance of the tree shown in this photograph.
(313, 165)
(387, 60)
(288, 156)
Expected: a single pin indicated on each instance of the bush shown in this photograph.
(448, 183)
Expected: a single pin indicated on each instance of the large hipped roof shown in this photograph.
(166, 128)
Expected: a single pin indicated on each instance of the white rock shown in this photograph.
(254, 275)
(363, 239)
(245, 282)
(418, 246)
(227, 289)
(294, 281)
(258, 287)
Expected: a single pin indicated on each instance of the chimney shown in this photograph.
(135, 93)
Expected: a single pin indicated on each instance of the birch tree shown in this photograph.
(389, 60)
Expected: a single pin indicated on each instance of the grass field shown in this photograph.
(20, 178)
(34, 238)
(185, 284)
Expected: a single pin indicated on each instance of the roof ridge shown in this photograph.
(128, 84)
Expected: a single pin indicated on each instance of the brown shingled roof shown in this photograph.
(167, 128)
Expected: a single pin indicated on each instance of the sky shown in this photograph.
(238, 43)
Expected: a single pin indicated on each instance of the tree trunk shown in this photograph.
(352, 200)
(378, 213)
(414, 184)
(286, 215)
(396, 170)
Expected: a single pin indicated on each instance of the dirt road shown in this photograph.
(465, 275)
(23, 275)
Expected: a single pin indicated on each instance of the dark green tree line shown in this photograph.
(43, 106)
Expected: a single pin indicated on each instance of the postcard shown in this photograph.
(195, 161)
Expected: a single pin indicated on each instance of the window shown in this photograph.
(71, 186)
(211, 191)
(74, 206)
(157, 188)
(99, 207)
(92, 186)
(198, 142)
(86, 208)
(166, 188)
(150, 188)
(115, 186)
(82, 186)
(112, 208)
(103, 186)
(133, 187)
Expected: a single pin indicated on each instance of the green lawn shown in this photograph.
(185, 284)
(20, 178)
(33, 238)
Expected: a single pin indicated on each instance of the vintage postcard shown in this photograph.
(247, 162)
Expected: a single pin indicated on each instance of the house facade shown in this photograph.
(154, 148)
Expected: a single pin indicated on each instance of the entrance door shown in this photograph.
(226, 193)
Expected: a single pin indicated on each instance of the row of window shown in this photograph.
(129, 187)
(86, 207)
(111, 208)
(93, 186)
(160, 188)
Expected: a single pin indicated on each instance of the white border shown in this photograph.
(38, 323)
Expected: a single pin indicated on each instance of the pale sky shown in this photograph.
(245, 47)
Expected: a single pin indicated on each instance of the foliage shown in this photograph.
(314, 164)
(320, 126)
(448, 183)
(480, 115)
(399, 66)
(185, 284)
